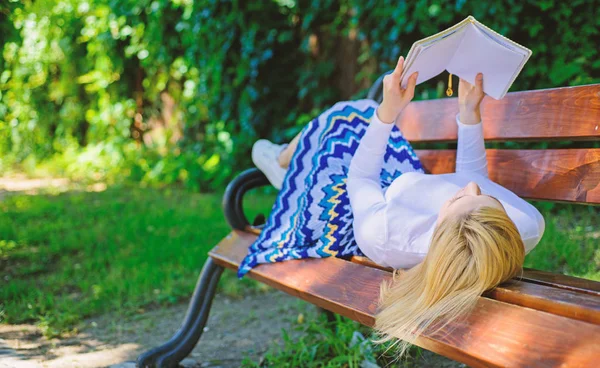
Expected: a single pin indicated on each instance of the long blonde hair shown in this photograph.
(469, 254)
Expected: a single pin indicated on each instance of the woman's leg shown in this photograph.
(286, 155)
(274, 159)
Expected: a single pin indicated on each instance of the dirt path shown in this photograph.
(237, 328)
(20, 184)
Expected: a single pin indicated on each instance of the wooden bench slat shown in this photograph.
(571, 175)
(495, 334)
(569, 113)
(580, 306)
(571, 283)
(580, 302)
(561, 281)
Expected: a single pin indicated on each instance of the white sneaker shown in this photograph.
(265, 155)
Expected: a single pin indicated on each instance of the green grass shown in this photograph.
(571, 241)
(74, 255)
(341, 343)
(70, 256)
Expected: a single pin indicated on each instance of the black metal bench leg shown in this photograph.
(185, 339)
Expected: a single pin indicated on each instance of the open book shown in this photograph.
(466, 49)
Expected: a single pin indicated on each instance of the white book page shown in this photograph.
(416, 47)
(432, 59)
(477, 53)
(506, 42)
(415, 50)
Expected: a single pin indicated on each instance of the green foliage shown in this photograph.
(169, 91)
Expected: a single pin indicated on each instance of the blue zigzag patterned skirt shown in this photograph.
(311, 217)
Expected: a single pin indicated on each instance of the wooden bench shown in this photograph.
(539, 320)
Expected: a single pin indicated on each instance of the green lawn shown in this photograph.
(571, 241)
(69, 256)
(73, 255)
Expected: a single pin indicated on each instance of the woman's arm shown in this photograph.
(471, 157)
(470, 150)
(363, 184)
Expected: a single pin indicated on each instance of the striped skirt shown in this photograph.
(312, 217)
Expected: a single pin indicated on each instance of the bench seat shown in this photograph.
(542, 320)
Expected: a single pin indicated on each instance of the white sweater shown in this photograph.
(394, 227)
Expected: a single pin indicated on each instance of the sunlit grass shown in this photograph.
(73, 255)
(571, 241)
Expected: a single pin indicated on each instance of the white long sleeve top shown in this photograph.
(394, 227)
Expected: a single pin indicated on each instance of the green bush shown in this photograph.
(177, 90)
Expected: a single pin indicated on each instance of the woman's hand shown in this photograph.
(469, 100)
(395, 98)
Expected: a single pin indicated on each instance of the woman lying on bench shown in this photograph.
(351, 185)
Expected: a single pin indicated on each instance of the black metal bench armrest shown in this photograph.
(376, 91)
(234, 196)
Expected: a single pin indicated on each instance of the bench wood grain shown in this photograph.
(568, 175)
(567, 113)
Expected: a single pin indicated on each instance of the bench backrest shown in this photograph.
(570, 113)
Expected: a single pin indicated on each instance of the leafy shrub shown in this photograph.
(177, 90)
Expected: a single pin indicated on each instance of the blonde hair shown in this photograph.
(469, 254)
